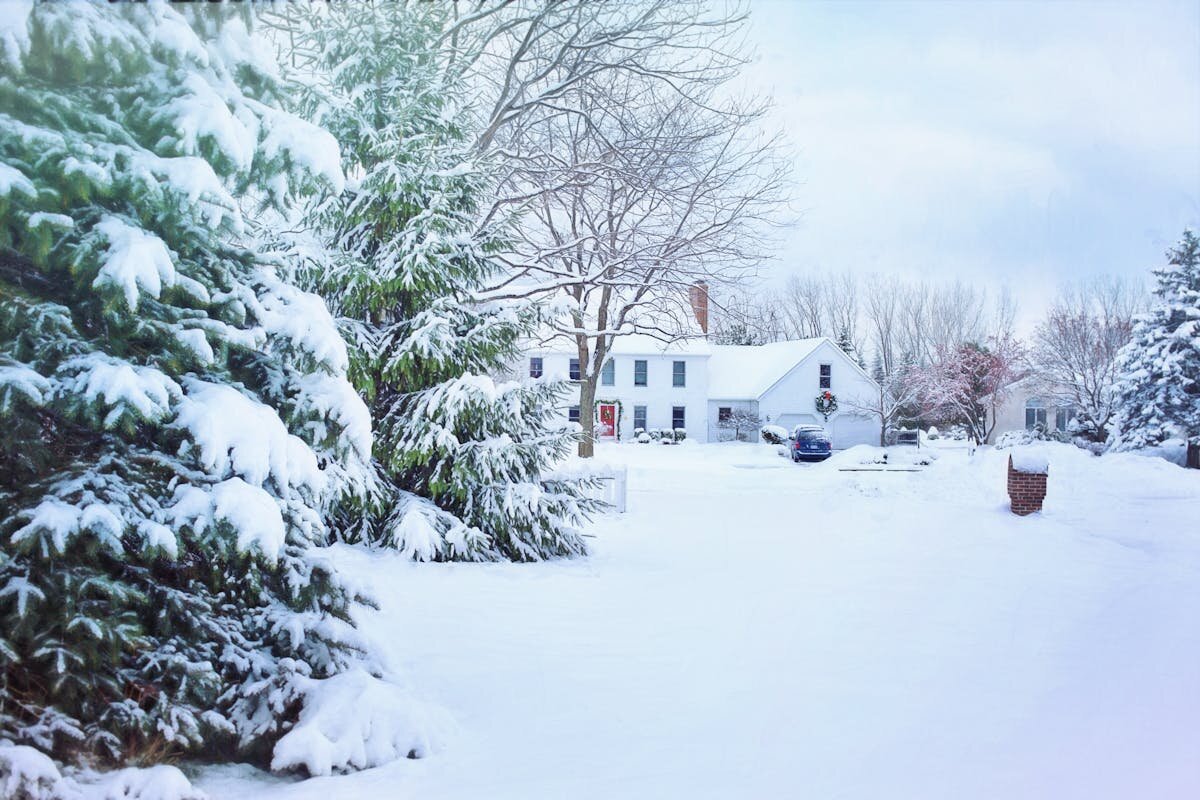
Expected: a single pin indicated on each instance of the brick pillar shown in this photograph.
(1026, 490)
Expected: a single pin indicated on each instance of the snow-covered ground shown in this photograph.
(753, 628)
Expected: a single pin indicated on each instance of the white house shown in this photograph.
(1026, 408)
(693, 385)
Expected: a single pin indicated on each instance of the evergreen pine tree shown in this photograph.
(846, 344)
(461, 455)
(1159, 396)
(174, 415)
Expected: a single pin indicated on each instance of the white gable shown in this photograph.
(745, 372)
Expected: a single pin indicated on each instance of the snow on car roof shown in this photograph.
(746, 371)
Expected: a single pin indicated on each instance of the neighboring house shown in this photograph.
(693, 385)
(1025, 410)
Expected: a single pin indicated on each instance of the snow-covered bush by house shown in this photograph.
(1024, 436)
(461, 457)
(175, 417)
(741, 422)
(774, 434)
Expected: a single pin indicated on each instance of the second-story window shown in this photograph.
(574, 369)
(639, 373)
(535, 367)
(608, 375)
(679, 373)
(826, 376)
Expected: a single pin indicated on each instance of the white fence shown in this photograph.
(612, 483)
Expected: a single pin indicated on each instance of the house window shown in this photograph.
(639, 417)
(1035, 414)
(1063, 417)
(608, 375)
(574, 369)
(724, 414)
(679, 373)
(678, 419)
(639, 373)
(573, 414)
(535, 367)
(826, 376)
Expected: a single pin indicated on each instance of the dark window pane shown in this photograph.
(639, 373)
(724, 413)
(679, 373)
(678, 419)
(535, 368)
(826, 376)
(639, 417)
(573, 413)
(608, 375)
(574, 369)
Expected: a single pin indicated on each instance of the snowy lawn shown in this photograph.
(754, 628)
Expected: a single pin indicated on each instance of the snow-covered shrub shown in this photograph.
(637, 432)
(461, 457)
(932, 434)
(175, 417)
(680, 434)
(1037, 433)
(655, 434)
(774, 434)
(643, 438)
(742, 423)
(356, 721)
(27, 774)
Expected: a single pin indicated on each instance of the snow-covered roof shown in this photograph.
(633, 344)
(737, 372)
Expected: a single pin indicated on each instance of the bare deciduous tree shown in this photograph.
(1075, 348)
(635, 178)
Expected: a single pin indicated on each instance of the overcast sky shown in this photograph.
(1016, 142)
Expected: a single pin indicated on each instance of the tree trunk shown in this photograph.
(1193, 455)
(587, 415)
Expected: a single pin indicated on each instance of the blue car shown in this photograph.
(810, 443)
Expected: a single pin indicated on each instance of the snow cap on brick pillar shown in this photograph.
(698, 295)
(1027, 481)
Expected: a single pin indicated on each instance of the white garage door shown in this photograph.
(790, 421)
(847, 430)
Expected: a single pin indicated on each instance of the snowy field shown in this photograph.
(758, 629)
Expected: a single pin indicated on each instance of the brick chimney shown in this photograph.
(698, 295)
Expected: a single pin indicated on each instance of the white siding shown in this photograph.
(659, 395)
(717, 434)
(791, 401)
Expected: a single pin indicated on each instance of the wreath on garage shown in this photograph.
(826, 404)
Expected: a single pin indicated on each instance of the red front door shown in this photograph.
(608, 421)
